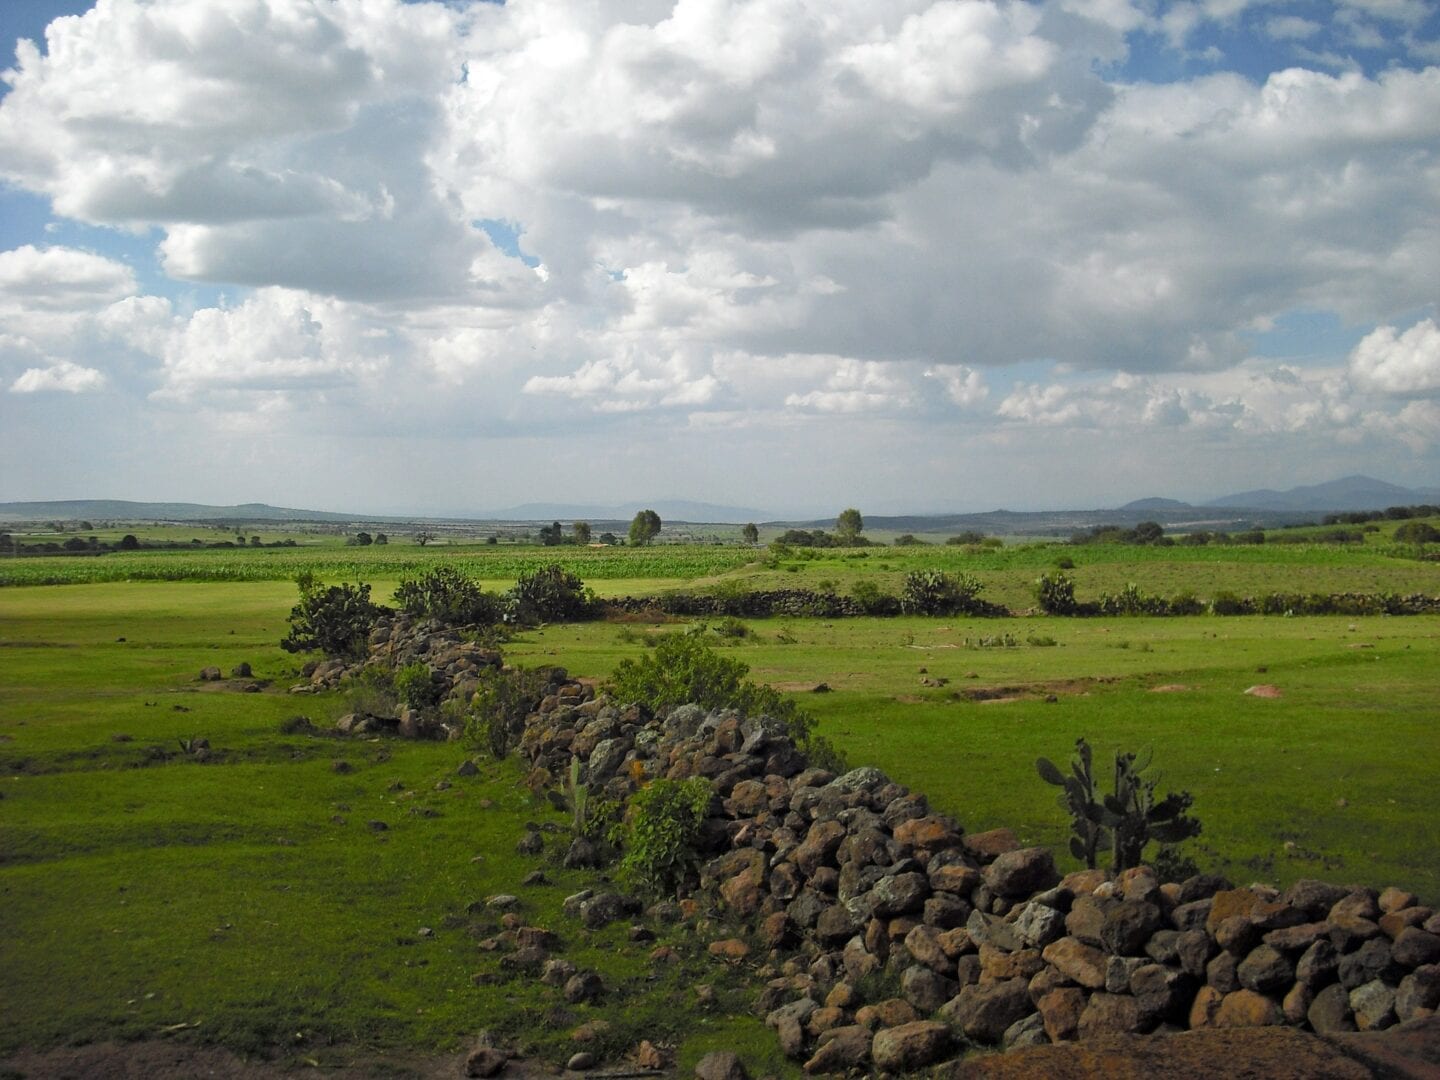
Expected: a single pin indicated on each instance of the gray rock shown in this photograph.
(1119, 969)
(900, 894)
(1330, 1011)
(985, 1013)
(581, 1061)
(1128, 926)
(1265, 970)
(1415, 948)
(910, 1046)
(1026, 1032)
(1317, 965)
(925, 989)
(582, 987)
(1373, 1005)
(1037, 925)
(1021, 873)
(1418, 991)
(1369, 962)
(718, 1064)
(841, 1049)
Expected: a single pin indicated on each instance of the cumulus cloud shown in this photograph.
(61, 278)
(63, 376)
(1406, 364)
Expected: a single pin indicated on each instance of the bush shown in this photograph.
(336, 619)
(550, 594)
(1417, 532)
(419, 687)
(1227, 603)
(506, 696)
(448, 596)
(662, 841)
(874, 600)
(1056, 594)
(933, 592)
(683, 670)
(372, 692)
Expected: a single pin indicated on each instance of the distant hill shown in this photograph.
(1162, 506)
(1349, 493)
(123, 510)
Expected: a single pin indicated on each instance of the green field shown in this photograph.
(249, 899)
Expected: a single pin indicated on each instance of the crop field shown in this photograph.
(254, 901)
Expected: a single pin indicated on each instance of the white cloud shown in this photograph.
(61, 376)
(60, 278)
(1291, 28)
(1400, 363)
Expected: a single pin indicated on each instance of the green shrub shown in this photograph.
(874, 600)
(450, 597)
(1056, 594)
(550, 594)
(335, 619)
(731, 629)
(933, 592)
(1227, 603)
(661, 843)
(418, 687)
(372, 692)
(506, 696)
(682, 669)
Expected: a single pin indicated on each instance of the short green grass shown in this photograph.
(249, 897)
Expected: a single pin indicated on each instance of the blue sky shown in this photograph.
(917, 255)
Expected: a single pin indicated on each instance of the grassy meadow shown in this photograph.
(250, 901)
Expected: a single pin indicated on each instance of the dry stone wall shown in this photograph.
(894, 941)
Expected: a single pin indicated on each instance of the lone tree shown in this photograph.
(849, 524)
(581, 529)
(644, 528)
(750, 534)
(552, 534)
(424, 536)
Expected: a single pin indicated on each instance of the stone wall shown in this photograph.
(893, 940)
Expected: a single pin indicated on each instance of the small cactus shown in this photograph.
(1125, 820)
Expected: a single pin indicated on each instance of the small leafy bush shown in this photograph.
(662, 839)
(336, 619)
(874, 600)
(372, 692)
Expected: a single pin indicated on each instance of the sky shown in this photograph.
(903, 255)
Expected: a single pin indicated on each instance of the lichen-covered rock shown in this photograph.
(1078, 962)
(1061, 1010)
(1373, 1005)
(1265, 970)
(1246, 1008)
(1111, 1014)
(1020, 873)
(840, 1050)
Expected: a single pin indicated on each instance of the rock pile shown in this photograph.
(895, 941)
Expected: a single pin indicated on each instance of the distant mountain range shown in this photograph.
(1247, 508)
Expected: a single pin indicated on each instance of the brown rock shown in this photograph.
(1128, 926)
(1348, 932)
(925, 989)
(955, 878)
(1205, 1006)
(1111, 1014)
(648, 1056)
(1392, 922)
(1265, 970)
(1373, 1005)
(1087, 918)
(923, 943)
(1296, 1004)
(1193, 948)
(1393, 899)
(1222, 973)
(1418, 993)
(997, 965)
(818, 847)
(1297, 938)
(1077, 962)
(910, 1046)
(1061, 1010)
(1227, 904)
(485, 1061)
(1246, 1008)
(987, 845)
(823, 1019)
(1356, 904)
(930, 833)
(892, 1012)
(730, 949)
(1022, 872)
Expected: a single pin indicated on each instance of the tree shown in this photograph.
(644, 528)
(551, 535)
(750, 534)
(849, 524)
(581, 529)
(381, 538)
(129, 542)
(424, 536)
(363, 539)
